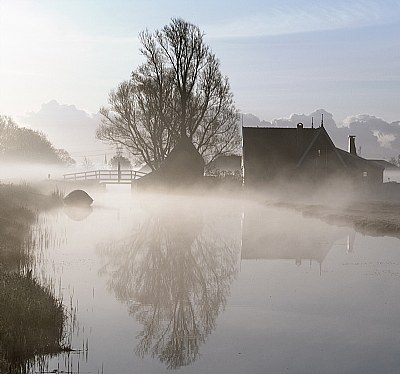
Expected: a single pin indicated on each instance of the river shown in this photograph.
(215, 285)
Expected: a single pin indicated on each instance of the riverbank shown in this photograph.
(32, 320)
(371, 218)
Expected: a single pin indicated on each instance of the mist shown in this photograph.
(155, 227)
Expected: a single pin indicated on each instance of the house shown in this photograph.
(183, 167)
(272, 154)
(224, 165)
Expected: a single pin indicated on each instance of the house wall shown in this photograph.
(286, 154)
(321, 161)
(268, 155)
(273, 155)
(371, 176)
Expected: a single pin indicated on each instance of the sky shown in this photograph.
(281, 57)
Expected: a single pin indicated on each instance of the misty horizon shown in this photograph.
(378, 139)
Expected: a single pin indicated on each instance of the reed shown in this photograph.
(16, 196)
(32, 321)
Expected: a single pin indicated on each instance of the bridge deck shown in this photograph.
(106, 176)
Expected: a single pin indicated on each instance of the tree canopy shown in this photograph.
(178, 91)
(123, 161)
(25, 145)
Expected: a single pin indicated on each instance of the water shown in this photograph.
(221, 286)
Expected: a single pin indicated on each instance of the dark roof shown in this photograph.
(385, 164)
(274, 133)
(357, 161)
(321, 132)
(286, 138)
(183, 165)
(183, 148)
(277, 139)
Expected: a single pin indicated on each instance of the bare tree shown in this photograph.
(178, 91)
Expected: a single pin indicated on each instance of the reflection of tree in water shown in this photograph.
(175, 275)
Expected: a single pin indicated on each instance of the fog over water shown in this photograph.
(218, 284)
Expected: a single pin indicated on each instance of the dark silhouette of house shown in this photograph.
(224, 165)
(386, 164)
(272, 154)
(183, 167)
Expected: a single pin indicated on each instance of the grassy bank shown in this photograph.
(32, 321)
(371, 218)
(16, 196)
(19, 205)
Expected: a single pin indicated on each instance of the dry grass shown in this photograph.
(372, 218)
(32, 321)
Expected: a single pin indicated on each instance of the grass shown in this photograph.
(14, 196)
(372, 218)
(32, 320)
(19, 205)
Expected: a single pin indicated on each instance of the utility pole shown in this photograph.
(119, 154)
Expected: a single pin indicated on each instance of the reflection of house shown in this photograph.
(273, 154)
(284, 237)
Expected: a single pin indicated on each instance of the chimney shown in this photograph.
(299, 139)
(352, 145)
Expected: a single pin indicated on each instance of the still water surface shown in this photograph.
(156, 284)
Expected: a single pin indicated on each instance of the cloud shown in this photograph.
(379, 138)
(288, 17)
(250, 120)
(307, 119)
(375, 137)
(69, 128)
(385, 140)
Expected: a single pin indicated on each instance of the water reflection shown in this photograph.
(286, 236)
(77, 213)
(174, 272)
(173, 265)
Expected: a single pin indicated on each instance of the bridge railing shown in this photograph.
(105, 175)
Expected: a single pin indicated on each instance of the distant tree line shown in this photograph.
(20, 144)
